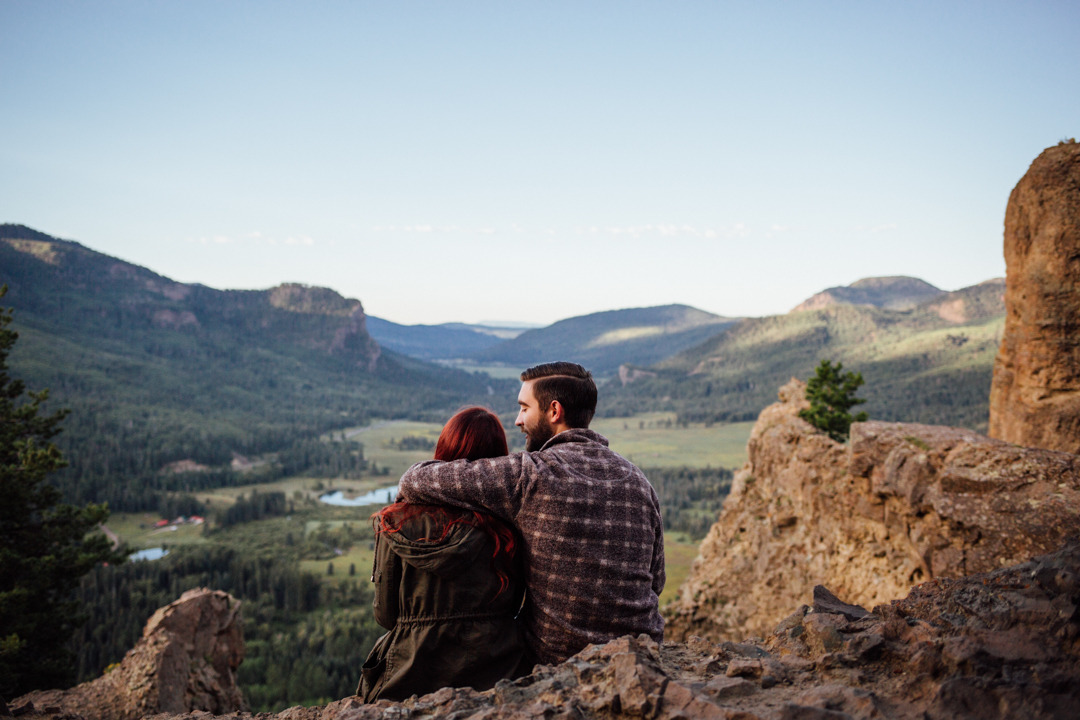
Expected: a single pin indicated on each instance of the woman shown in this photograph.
(448, 584)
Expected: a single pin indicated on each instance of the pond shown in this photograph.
(148, 554)
(380, 496)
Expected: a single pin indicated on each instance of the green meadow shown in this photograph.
(650, 440)
(657, 440)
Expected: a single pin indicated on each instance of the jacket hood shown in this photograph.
(443, 557)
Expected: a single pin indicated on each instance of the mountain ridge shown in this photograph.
(932, 363)
(157, 371)
(605, 340)
(891, 292)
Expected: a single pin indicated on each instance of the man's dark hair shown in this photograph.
(570, 384)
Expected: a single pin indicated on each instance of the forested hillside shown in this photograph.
(430, 342)
(603, 341)
(157, 372)
(930, 364)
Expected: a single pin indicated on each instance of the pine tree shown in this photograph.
(45, 545)
(831, 395)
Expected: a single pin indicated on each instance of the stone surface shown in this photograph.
(1035, 395)
(902, 504)
(998, 645)
(186, 660)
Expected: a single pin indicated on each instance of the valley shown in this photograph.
(245, 407)
(327, 549)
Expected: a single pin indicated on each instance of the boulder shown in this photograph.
(1035, 395)
(901, 504)
(186, 660)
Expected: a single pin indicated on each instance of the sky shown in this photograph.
(511, 161)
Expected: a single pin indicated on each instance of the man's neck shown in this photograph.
(560, 427)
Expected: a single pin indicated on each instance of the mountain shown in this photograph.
(603, 341)
(892, 293)
(932, 363)
(437, 342)
(157, 371)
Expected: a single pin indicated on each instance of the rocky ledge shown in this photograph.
(1004, 644)
(186, 660)
(901, 504)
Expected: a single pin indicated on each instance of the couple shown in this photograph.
(569, 519)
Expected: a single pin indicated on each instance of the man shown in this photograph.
(590, 521)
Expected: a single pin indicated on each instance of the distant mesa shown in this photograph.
(891, 293)
(58, 281)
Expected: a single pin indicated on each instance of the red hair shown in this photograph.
(471, 434)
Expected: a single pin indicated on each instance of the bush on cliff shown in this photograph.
(832, 394)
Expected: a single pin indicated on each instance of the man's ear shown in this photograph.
(555, 412)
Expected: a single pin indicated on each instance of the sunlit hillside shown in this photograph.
(930, 364)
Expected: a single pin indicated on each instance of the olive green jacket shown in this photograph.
(450, 626)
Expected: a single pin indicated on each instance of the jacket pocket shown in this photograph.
(371, 674)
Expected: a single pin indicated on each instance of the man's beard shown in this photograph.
(539, 435)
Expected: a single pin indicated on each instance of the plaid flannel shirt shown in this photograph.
(593, 536)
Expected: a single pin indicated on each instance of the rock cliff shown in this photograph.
(1035, 395)
(186, 660)
(1004, 644)
(901, 504)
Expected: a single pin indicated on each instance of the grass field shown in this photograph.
(378, 439)
(137, 530)
(360, 556)
(655, 440)
(678, 557)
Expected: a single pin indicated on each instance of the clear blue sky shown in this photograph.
(469, 161)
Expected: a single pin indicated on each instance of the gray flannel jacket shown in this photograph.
(593, 536)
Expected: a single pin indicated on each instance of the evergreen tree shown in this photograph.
(45, 545)
(832, 394)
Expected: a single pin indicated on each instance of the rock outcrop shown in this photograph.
(999, 645)
(1035, 395)
(186, 660)
(902, 504)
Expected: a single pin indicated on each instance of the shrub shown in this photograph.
(832, 394)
